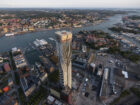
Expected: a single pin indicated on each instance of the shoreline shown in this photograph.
(46, 29)
(20, 41)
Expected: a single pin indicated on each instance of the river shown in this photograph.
(22, 41)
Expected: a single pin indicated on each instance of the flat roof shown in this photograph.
(125, 74)
(63, 36)
(64, 32)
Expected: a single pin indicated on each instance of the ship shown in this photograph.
(10, 34)
(77, 26)
(41, 42)
(51, 38)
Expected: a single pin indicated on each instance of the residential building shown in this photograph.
(64, 52)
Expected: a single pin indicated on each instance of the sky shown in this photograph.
(70, 3)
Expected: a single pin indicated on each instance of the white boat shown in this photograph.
(51, 38)
(41, 42)
(77, 26)
(10, 34)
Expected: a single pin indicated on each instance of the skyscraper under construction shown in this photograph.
(64, 51)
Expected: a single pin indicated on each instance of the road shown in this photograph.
(15, 85)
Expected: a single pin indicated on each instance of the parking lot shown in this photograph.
(85, 95)
(88, 85)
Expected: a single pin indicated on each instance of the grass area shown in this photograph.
(100, 34)
(37, 96)
(5, 60)
(136, 91)
(74, 52)
(2, 75)
(17, 79)
(92, 45)
(22, 97)
(126, 54)
(12, 61)
(4, 81)
(123, 94)
(114, 48)
(134, 17)
(54, 76)
(120, 29)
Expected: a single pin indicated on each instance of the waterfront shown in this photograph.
(22, 41)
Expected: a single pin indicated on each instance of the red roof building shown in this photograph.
(7, 67)
(6, 89)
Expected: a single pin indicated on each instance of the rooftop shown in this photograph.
(125, 74)
(63, 35)
(64, 32)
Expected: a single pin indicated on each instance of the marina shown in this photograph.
(10, 34)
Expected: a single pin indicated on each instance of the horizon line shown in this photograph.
(70, 7)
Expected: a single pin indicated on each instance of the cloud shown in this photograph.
(71, 3)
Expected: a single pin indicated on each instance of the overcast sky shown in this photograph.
(71, 3)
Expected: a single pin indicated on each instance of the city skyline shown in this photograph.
(69, 56)
(70, 4)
